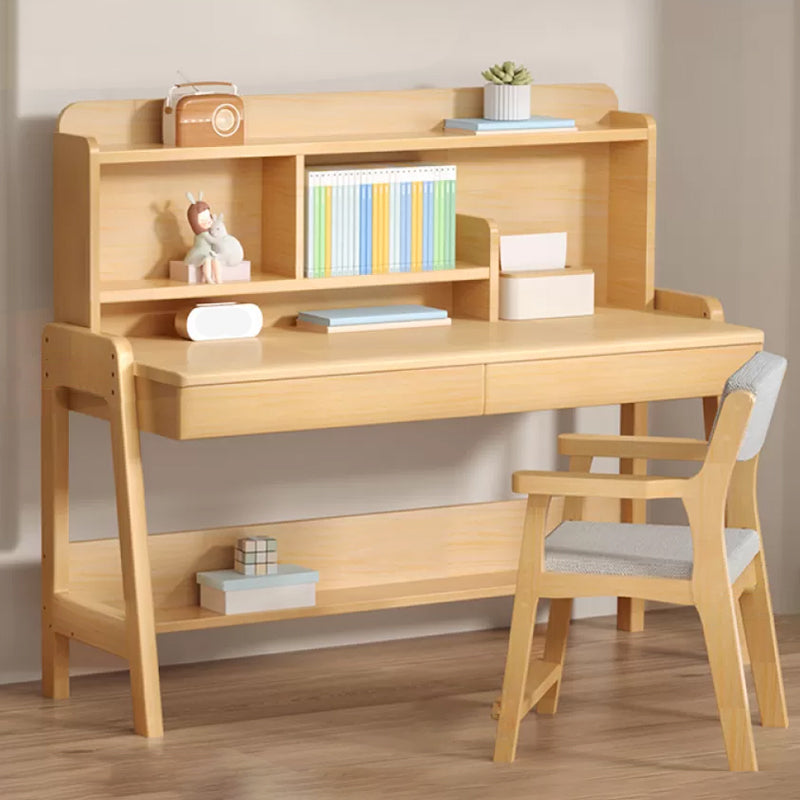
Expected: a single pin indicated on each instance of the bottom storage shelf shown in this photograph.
(344, 601)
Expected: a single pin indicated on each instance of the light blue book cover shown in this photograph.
(407, 227)
(369, 227)
(365, 315)
(536, 122)
(355, 223)
(362, 231)
(228, 580)
(344, 226)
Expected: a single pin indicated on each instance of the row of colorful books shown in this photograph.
(379, 220)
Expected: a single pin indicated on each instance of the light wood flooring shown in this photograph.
(405, 719)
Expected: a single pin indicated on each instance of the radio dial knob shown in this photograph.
(225, 120)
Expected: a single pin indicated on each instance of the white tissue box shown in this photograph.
(545, 294)
(181, 271)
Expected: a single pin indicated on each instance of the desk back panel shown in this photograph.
(348, 552)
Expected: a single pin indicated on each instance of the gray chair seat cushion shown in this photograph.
(656, 551)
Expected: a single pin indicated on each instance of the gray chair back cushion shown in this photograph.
(762, 376)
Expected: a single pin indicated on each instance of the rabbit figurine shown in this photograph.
(227, 249)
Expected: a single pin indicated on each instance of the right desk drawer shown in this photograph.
(610, 379)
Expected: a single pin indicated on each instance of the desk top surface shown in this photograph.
(280, 353)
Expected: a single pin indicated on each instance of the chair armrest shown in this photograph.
(585, 484)
(655, 448)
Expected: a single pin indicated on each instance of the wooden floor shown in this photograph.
(407, 719)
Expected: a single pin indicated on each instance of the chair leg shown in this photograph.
(759, 626)
(555, 649)
(515, 679)
(727, 671)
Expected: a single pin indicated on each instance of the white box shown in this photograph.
(181, 271)
(546, 294)
(533, 251)
(229, 592)
(275, 598)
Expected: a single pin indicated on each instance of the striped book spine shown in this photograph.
(379, 220)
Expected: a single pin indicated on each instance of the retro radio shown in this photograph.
(203, 113)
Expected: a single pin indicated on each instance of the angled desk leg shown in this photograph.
(633, 421)
(75, 359)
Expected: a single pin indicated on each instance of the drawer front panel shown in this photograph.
(309, 403)
(605, 380)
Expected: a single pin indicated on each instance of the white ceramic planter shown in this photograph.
(503, 101)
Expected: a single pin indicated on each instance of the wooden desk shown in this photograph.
(110, 353)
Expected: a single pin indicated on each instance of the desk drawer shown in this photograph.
(195, 412)
(606, 380)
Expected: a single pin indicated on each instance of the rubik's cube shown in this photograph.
(256, 555)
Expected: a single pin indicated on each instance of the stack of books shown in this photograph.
(370, 318)
(539, 122)
(379, 220)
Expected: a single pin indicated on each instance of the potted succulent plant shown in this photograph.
(507, 95)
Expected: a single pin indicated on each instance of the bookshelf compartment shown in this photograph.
(142, 222)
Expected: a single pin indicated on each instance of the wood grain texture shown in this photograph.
(55, 535)
(138, 122)
(237, 409)
(283, 216)
(633, 421)
(631, 220)
(76, 232)
(288, 353)
(405, 719)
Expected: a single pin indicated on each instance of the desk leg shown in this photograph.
(633, 421)
(55, 537)
(136, 579)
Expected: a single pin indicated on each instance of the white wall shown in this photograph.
(62, 52)
(728, 137)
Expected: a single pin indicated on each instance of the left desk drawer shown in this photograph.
(235, 409)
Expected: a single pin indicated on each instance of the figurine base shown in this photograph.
(181, 271)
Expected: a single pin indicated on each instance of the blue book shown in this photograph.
(228, 580)
(538, 122)
(407, 227)
(365, 315)
(368, 226)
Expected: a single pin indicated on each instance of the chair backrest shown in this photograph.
(762, 376)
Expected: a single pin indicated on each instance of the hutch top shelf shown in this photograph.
(613, 128)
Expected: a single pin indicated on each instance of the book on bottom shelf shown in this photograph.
(229, 592)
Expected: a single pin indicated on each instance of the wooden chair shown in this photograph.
(704, 564)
